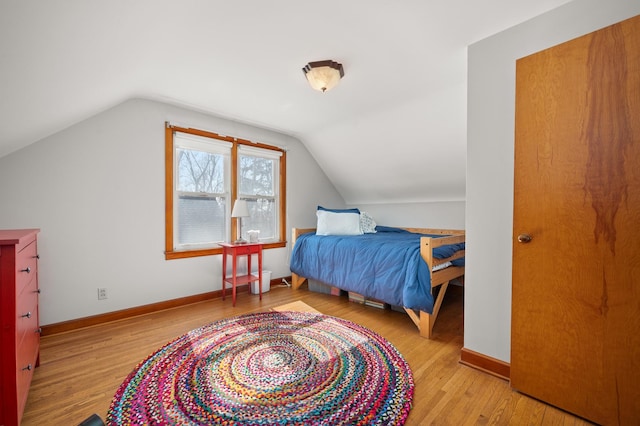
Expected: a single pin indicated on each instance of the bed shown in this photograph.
(407, 267)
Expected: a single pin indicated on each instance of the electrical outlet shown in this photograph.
(102, 293)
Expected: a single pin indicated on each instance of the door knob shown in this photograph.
(524, 238)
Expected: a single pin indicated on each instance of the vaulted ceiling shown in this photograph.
(393, 130)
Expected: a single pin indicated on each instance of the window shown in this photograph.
(202, 191)
(205, 174)
(258, 175)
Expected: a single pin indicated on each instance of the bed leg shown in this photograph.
(425, 321)
(297, 281)
(426, 324)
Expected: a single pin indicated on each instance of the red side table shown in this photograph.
(236, 250)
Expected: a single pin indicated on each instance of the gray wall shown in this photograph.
(96, 190)
(490, 150)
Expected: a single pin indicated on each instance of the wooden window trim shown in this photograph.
(170, 253)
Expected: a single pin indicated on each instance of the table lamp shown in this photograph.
(240, 210)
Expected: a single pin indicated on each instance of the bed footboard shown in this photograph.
(441, 278)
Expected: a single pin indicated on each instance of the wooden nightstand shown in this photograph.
(236, 250)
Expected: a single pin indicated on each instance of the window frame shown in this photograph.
(170, 252)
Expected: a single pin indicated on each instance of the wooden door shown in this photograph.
(576, 281)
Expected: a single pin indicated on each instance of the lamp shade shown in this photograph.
(240, 209)
(323, 75)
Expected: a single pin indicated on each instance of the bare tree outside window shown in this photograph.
(201, 200)
(200, 172)
(257, 185)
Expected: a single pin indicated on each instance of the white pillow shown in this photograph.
(332, 223)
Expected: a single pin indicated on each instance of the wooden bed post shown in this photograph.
(297, 280)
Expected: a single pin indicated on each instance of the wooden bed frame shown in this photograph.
(423, 320)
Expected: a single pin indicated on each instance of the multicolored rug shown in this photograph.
(269, 368)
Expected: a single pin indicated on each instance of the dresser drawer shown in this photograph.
(27, 340)
(247, 250)
(27, 356)
(26, 265)
(27, 311)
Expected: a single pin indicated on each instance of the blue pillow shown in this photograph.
(339, 210)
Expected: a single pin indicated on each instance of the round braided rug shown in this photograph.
(269, 368)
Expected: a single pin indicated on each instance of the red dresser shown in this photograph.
(20, 338)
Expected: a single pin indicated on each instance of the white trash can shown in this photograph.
(266, 283)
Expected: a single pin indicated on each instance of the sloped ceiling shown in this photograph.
(393, 130)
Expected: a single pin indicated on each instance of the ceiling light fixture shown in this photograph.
(323, 75)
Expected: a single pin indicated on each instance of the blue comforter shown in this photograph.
(386, 266)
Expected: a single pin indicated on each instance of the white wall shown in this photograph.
(490, 150)
(96, 190)
(441, 214)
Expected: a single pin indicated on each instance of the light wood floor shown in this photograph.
(81, 370)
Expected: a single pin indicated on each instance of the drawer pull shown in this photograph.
(27, 270)
(39, 330)
(37, 291)
(37, 256)
(27, 315)
(27, 368)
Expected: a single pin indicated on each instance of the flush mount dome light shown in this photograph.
(323, 75)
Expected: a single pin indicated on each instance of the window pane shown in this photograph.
(201, 220)
(256, 176)
(262, 217)
(200, 171)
